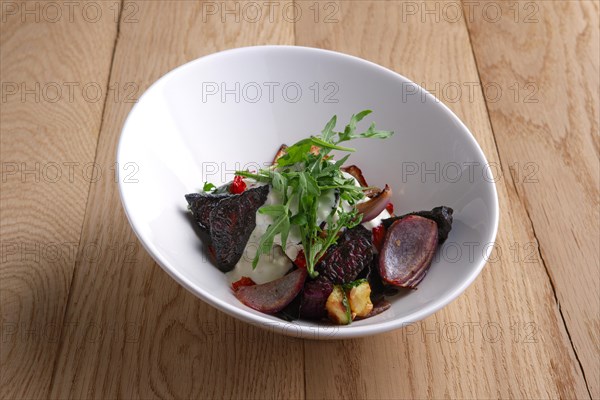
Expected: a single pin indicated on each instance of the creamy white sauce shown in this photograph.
(377, 220)
(270, 266)
(276, 263)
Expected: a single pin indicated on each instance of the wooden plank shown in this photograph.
(153, 339)
(512, 342)
(546, 126)
(54, 67)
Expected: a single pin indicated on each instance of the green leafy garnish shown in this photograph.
(280, 226)
(302, 176)
(208, 187)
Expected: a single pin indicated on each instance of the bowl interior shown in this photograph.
(232, 110)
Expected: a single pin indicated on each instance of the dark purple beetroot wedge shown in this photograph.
(232, 220)
(274, 296)
(408, 250)
(314, 298)
(201, 204)
(348, 257)
(441, 215)
(372, 208)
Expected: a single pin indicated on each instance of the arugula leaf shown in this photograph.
(374, 133)
(295, 153)
(327, 132)
(358, 117)
(279, 182)
(208, 187)
(274, 210)
(351, 127)
(331, 168)
(326, 145)
(284, 231)
(312, 187)
(298, 219)
(265, 244)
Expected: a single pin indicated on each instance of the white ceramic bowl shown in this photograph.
(232, 110)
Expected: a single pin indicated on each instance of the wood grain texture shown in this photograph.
(85, 311)
(551, 130)
(48, 126)
(159, 341)
(531, 357)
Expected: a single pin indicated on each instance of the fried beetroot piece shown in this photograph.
(348, 257)
(408, 250)
(273, 296)
(441, 215)
(228, 220)
(232, 220)
(314, 297)
(201, 204)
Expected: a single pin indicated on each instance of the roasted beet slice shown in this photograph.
(372, 208)
(408, 249)
(273, 296)
(201, 204)
(441, 215)
(356, 173)
(348, 257)
(232, 220)
(314, 297)
(228, 220)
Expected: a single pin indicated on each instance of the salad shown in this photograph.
(308, 238)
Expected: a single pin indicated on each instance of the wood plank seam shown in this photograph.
(65, 311)
(539, 251)
(100, 367)
(587, 386)
(496, 382)
(294, 34)
(530, 221)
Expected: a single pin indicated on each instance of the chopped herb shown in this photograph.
(208, 187)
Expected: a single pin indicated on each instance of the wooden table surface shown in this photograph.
(86, 313)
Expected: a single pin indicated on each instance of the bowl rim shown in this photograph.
(265, 321)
